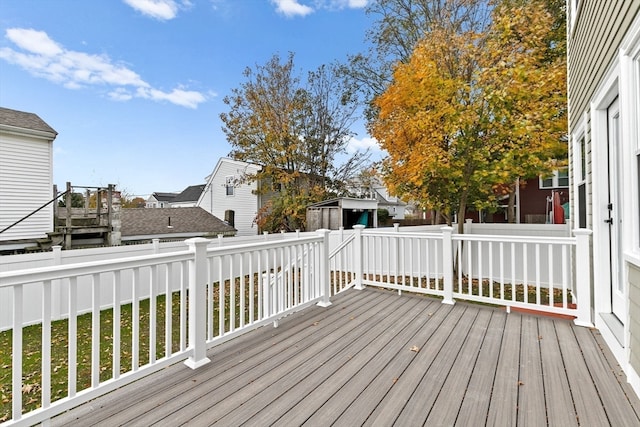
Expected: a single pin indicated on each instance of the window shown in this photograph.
(229, 182)
(559, 179)
(582, 184)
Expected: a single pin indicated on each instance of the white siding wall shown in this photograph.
(26, 183)
(243, 202)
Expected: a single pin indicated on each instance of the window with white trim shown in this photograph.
(229, 183)
(559, 179)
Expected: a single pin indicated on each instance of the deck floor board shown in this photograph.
(376, 358)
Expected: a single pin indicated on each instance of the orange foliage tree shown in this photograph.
(474, 110)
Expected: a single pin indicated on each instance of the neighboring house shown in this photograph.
(142, 224)
(604, 153)
(230, 196)
(160, 200)
(26, 178)
(533, 201)
(188, 198)
(375, 189)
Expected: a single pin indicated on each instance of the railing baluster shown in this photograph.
(153, 312)
(232, 295)
(117, 310)
(502, 271)
(480, 280)
(491, 269)
(242, 284)
(550, 275)
(221, 298)
(168, 312)
(17, 349)
(469, 266)
(565, 276)
(538, 273)
(73, 337)
(46, 343)
(95, 331)
(513, 271)
(135, 321)
(252, 290)
(211, 298)
(183, 305)
(525, 274)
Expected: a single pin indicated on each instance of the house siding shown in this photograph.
(26, 184)
(600, 28)
(603, 49)
(244, 201)
(634, 324)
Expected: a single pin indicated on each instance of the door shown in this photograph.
(614, 218)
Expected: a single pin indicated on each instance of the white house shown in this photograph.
(603, 42)
(160, 200)
(230, 196)
(26, 178)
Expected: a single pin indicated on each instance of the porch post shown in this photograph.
(447, 265)
(583, 277)
(197, 302)
(324, 276)
(357, 262)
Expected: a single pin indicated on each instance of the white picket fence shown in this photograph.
(182, 302)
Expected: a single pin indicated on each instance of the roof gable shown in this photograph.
(23, 120)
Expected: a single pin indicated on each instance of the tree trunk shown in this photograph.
(511, 208)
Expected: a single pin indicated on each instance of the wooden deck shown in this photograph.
(374, 358)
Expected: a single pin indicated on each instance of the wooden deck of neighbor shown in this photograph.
(376, 358)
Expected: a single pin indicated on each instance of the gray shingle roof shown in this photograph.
(164, 197)
(189, 194)
(23, 120)
(145, 222)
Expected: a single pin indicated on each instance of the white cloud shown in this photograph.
(362, 144)
(43, 57)
(158, 9)
(351, 4)
(290, 8)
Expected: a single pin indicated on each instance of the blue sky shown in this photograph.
(134, 88)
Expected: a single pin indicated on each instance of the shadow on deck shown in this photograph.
(373, 358)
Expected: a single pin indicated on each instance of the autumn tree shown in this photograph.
(295, 131)
(471, 110)
(398, 27)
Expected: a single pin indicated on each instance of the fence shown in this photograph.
(156, 310)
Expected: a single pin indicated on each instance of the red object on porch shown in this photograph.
(558, 210)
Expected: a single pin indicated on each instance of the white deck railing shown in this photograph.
(177, 306)
(550, 274)
(169, 307)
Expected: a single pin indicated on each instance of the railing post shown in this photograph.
(156, 245)
(447, 265)
(583, 278)
(359, 255)
(325, 284)
(197, 302)
(468, 223)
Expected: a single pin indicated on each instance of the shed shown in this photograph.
(26, 176)
(342, 212)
